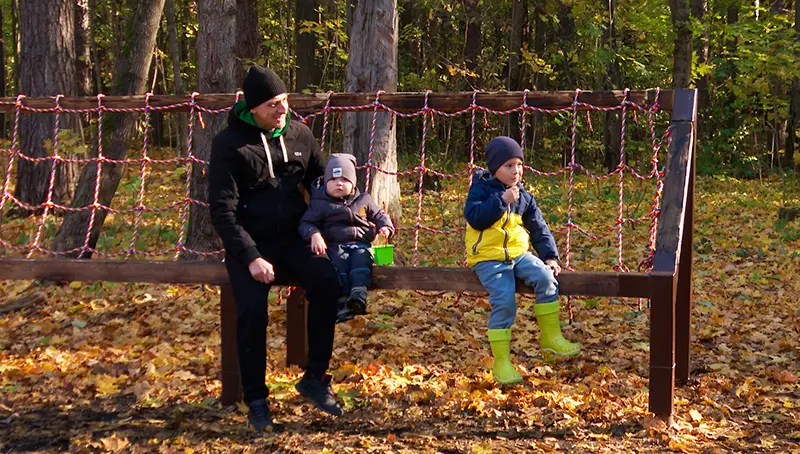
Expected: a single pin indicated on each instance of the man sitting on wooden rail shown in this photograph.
(258, 164)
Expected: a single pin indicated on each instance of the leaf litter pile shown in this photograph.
(105, 367)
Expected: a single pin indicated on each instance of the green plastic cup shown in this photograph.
(384, 254)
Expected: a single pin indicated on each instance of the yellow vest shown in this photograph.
(504, 240)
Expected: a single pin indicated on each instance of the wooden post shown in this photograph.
(685, 111)
(296, 328)
(231, 382)
(662, 345)
(672, 246)
(683, 308)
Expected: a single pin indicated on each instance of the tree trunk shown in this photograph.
(15, 42)
(217, 73)
(98, 78)
(472, 40)
(372, 65)
(47, 68)
(83, 61)
(131, 74)
(612, 138)
(181, 119)
(309, 72)
(519, 14)
(701, 49)
(247, 37)
(793, 124)
(682, 52)
(566, 37)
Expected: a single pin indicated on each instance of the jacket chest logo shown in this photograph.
(298, 154)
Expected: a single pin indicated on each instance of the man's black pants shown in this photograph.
(293, 260)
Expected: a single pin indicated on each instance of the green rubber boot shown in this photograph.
(552, 341)
(504, 372)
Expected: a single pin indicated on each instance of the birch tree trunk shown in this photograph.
(217, 73)
(372, 65)
(131, 74)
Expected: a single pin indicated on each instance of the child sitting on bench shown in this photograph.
(343, 222)
(502, 222)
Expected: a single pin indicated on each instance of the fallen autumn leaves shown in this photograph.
(135, 368)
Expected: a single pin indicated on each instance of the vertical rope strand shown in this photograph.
(422, 169)
(98, 174)
(14, 153)
(187, 195)
(325, 119)
(140, 207)
(52, 183)
(621, 181)
(571, 197)
(376, 104)
(523, 121)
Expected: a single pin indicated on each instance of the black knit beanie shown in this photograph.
(501, 149)
(260, 85)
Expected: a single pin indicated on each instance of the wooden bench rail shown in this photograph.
(408, 101)
(452, 279)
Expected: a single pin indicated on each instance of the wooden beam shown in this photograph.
(394, 277)
(674, 200)
(405, 102)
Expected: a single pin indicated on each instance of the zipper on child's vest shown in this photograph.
(505, 232)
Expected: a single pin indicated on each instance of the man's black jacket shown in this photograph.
(254, 199)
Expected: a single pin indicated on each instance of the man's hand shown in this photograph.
(553, 264)
(385, 231)
(511, 195)
(261, 270)
(318, 245)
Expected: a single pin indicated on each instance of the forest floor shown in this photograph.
(104, 367)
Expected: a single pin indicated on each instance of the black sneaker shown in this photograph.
(259, 416)
(343, 313)
(319, 392)
(358, 300)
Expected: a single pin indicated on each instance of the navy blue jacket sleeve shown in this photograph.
(483, 208)
(541, 237)
(311, 220)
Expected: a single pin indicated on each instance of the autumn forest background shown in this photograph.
(102, 366)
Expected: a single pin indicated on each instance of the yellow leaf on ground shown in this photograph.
(115, 444)
(106, 385)
(696, 416)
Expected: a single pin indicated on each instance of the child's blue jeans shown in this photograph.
(353, 263)
(498, 278)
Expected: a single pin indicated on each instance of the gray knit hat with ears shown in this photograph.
(341, 165)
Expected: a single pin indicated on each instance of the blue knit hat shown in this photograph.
(501, 149)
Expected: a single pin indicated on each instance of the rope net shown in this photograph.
(143, 208)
